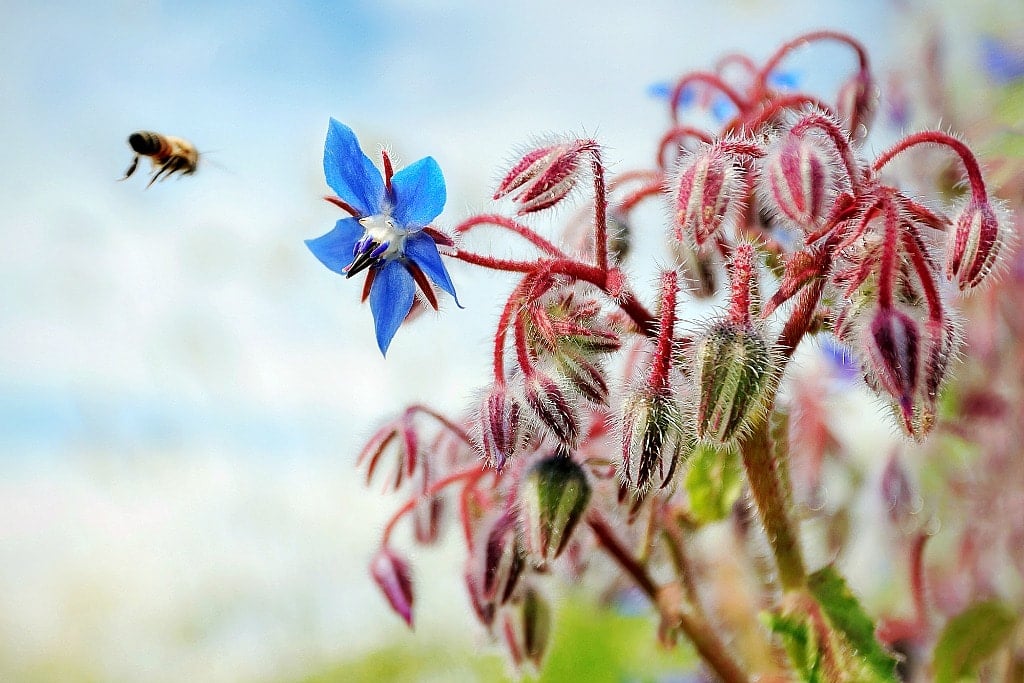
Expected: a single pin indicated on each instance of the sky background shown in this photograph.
(183, 387)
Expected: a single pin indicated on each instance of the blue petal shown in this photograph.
(335, 248)
(350, 173)
(422, 251)
(390, 300)
(419, 193)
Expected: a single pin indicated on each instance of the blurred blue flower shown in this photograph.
(1003, 60)
(840, 359)
(385, 234)
(662, 90)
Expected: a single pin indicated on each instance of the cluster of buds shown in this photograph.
(559, 440)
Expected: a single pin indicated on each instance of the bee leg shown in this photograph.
(159, 172)
(131, 168)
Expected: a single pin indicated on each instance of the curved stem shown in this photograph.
(799, 41)
(713, 80)
(767, 484)
(936, 137)
(451, 426)
(838, 138)
(523, 231)
(666, 331)
(704, 639)
(474, 473)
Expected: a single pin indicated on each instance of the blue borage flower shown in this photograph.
(386, 234)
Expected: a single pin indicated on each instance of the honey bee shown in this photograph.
(168, 154)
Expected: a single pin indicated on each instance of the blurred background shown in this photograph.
(184, 388)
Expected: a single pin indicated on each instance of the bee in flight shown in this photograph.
(168, 154)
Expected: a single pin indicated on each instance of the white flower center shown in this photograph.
(382, 229)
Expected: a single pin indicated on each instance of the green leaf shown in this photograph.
(713, 482)
(849, 618)
(970, 638)
(800, 644)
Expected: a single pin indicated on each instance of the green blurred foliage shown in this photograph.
(590, 644)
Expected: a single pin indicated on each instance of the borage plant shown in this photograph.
(607, 427)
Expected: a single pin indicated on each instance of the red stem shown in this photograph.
(890, 245)
(839, 139)
(707, 78)
(600, 210)
(474, 473)
(513, 226)
(780, 54)
(666, 331)
(937, 137)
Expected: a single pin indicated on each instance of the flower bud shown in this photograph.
(620, 238)
(552, 407)
(528, 632)
(426, 519)
(484, 609)
(798, 180)
(707, 193)
(393, 577)
(544, 176)
(503, 561)
(735, 374)
(555, 496)
(898, 494)
(857, 102)
(652, 439)
(499, 427)
(973, 244)
(583, 375)
(893, 344)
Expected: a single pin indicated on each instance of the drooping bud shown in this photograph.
(735, 373)
(707, 194)
(552, 407)
(652, 439)
(893, 344)
(555, 496)
(503, 561)
(544, 176)
(898, 493)
(394, 579)
(973, 244)
(585, 376)
(426, 519)
(857, 103)
(528, 632)
(798, 181)
(499, 427)
(484, 609)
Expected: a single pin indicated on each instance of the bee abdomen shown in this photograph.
(145, 142)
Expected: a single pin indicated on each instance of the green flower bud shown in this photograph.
(652, 439)
(555, 496)
(735, 374)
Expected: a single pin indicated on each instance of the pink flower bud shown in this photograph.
(503, 561)
(499, 427)
(798, 180)
(552, 407)
(898, 493)
(555, 496)
(893, 344)
(973, 244)
(735, 373)
(426, 519)
(707, 194)
(653, 440)
(484, 609)
(544, 176)
(392, 575)
(857, 103)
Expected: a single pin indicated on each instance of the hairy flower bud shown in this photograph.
(652, 439)
(484, 609)
(528, 631)
(894, 348)
(426, 519)
(585, 376)
(898, 494)
(735, 374)
(544, 176)
(394, 579)
(552, 407)
(707, 192)
(499, 427)
(973, 244)
(555, 496)
(503, 560)
(798, 181)
(857, 103)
